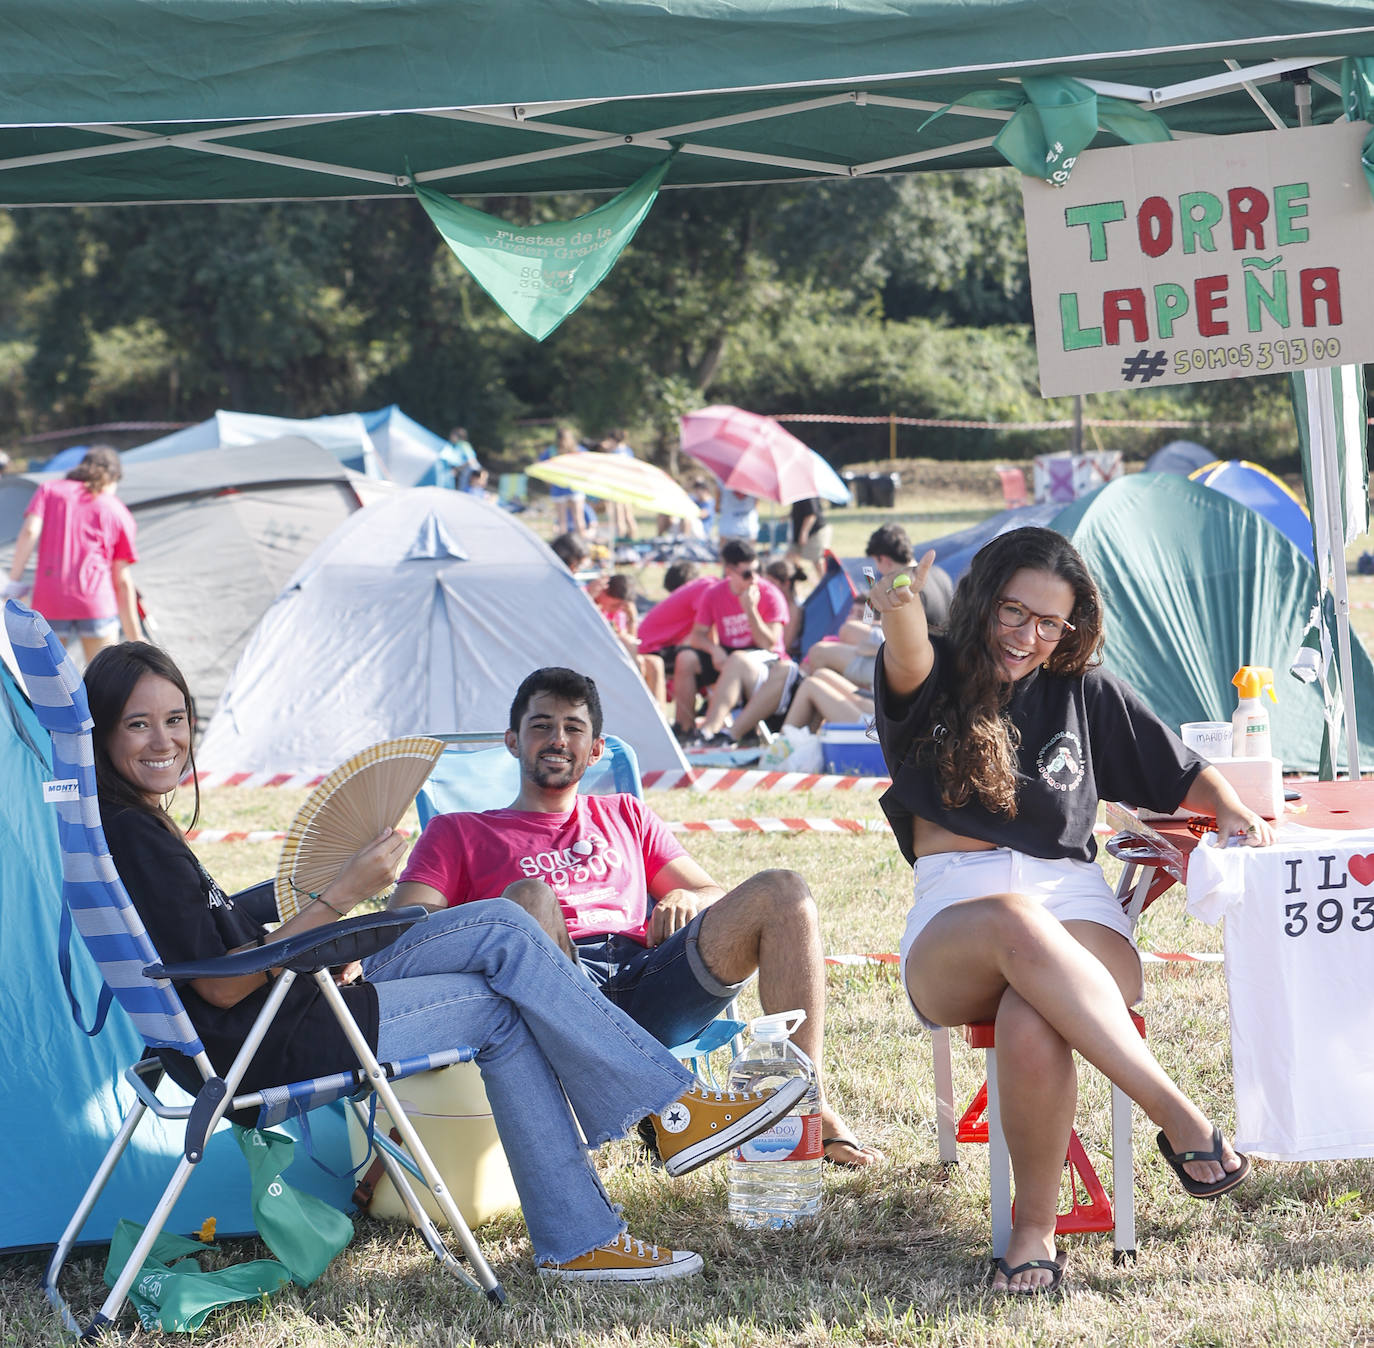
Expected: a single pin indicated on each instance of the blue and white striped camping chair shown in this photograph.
(477, 772)
(100, 910)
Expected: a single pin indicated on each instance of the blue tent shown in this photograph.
(64, 459)
(1259, 489)
(411, 452)
(64, 1094)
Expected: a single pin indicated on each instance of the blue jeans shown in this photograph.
(549, 1045)
(668, 990)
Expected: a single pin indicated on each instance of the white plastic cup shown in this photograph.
(1211, 739)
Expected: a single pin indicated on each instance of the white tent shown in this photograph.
(420, 613)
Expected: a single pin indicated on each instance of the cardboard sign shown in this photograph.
(1213, 258)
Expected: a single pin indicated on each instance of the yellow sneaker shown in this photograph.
(625, 1259)
(701, 1125)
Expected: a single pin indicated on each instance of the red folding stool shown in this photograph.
(1151, 864)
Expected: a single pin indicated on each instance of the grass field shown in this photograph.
(898, 1255)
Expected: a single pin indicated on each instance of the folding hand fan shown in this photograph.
(360, 798)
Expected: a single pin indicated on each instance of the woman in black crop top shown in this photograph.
(1001, 738)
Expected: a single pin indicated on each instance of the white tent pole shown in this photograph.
(1328, 519)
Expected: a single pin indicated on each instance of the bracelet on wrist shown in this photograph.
(320, 898)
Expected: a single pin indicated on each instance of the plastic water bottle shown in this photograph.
(775, 1178)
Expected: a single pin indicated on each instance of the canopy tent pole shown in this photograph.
(1328, 517)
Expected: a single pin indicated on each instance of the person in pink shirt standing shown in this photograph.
(739, 612)
(82, 581)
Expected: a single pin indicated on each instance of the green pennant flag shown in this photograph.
(1054, 119)
(539, 274)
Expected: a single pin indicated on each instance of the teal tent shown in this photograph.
(1196, 585)
(213, 100)
(62, 1094)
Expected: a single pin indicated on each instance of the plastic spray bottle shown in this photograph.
(775, 1178)
(1250, 725)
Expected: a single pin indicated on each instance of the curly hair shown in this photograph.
(974, 746)
(100, 466)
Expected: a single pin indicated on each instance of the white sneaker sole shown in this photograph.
(684, 1264)
(741, 1130)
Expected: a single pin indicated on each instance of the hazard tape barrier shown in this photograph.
(670, 779)
(1146, 957)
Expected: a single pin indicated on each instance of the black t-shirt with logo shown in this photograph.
(189, 917)
(1083, 739)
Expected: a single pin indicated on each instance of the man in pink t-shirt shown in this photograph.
(616, 890)
(741, 611)
(669, 623)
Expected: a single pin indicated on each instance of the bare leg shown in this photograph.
(963, 963)
(90, 645)
(652, 672)
(686, 668)
(737, 680)
(835, 655)
(770, 923)
(764, 701)
(821, 698)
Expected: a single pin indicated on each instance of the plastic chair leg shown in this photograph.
(999, 1165)
(944, 1097)
(1123, 1179)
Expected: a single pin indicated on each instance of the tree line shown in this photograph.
(903, 294)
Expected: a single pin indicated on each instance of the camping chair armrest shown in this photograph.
(354, 938)
(258, 901)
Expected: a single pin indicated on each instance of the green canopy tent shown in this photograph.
(219, 100)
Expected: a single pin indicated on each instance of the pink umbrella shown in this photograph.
(755, 456)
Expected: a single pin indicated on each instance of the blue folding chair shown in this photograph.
(478, 772)
(99, 908)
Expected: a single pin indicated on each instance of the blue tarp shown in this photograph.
(65, 1099)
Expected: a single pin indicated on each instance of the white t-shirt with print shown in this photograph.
(1299, 937)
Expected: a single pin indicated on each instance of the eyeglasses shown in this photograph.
(1012, 614)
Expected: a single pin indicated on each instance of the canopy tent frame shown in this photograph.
(595, 127)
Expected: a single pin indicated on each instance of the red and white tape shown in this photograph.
(668, 779)
(1146, 957)
(223, 835)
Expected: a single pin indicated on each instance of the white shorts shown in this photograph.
(1071, 891)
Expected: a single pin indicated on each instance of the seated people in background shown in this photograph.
(668, 623)
(617, 605)
(739, 612)
(1001, 737)
(700, 492)
(827, 696)
(554, 1054)
(737, 516)
(786, 575)
(810, 531)
(606, 879)
(460, 458)
(889, 550)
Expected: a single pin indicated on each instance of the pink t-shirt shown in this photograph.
(721, 609)
(83, 537)
(599, 859)
(669, 622)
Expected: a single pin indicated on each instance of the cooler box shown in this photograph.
(849, 752)
(450, 1112)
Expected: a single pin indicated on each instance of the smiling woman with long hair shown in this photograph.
(1001, 737)
(558, 1060)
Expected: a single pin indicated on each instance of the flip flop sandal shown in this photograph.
(1195, 1188)
(828, 1142)
(1055, 1267)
